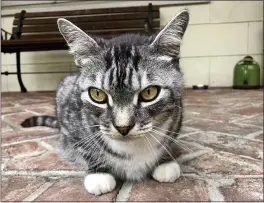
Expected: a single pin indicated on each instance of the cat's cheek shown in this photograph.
(99, 183)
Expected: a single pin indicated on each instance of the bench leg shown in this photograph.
(21, 84)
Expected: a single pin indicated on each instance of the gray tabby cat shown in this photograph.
(120, 113)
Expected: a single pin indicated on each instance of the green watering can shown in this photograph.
(246, 74)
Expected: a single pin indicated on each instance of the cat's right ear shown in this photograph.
(78, 41)
(168, 40)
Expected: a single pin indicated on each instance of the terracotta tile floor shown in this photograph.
(222, 131)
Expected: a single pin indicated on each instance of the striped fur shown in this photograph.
(122, 67)
(49, 121)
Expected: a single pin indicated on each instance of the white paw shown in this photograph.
(167, 172)
(99, 183)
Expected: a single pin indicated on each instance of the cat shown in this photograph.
(120, 113)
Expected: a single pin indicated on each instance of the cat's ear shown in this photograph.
(78, 41)
(168, 40)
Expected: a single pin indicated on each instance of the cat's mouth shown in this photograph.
(133, 134)
(127, 137)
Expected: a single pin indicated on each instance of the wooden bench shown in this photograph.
(38, 31)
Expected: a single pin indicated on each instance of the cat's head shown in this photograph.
(129, 83)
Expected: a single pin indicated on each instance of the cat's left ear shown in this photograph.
(78, 41)
(168, 40)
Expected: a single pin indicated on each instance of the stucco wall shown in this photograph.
(220, 33)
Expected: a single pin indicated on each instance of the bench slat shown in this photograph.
(88, 12)
(38, 31)
(90, 26)
(48, 43)
(92, 18)
(10, 46)
(97, 33)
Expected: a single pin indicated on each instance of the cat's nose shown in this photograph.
(124, 129)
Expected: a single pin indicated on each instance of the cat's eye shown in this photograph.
(149, 94)
(97, 95)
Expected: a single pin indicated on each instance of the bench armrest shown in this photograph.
(6, 33)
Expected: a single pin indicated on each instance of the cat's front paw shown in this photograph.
(99, 183)
(167, 172)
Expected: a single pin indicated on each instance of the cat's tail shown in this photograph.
(49, 121)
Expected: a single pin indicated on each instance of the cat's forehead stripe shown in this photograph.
(121, 62)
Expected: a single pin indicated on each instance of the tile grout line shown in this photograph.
(46, 145)
(33, 112)
(253, 135)
(248, 125)
(214, 193)
(192, 172)
(26, 155)
(236, 136)
(213, 188)
(124, 192)
(52, 135)
(194, 143)
(38, 192)
(188, 157)
(187, 134)
(15, 127)
(245, 117)
(60, 173)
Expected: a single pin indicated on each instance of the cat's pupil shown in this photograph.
(97, 93)
(148, 91)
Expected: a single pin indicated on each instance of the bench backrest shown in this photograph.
(105, 22)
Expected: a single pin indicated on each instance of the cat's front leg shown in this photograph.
(167, 172)
(99, 183)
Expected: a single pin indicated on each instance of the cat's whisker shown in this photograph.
(166, 130)
(169, 154)
(83, 141)
(99, 143)
(172, 139)
(177, 142)
(191, 138)
(102, 149)
(163, 146)
(148, 143)
(89, 142)
(144, 139)
(151, 147)
(178, 133)
(100, 158)
(94, 161)
(79, 142)
(93, 126)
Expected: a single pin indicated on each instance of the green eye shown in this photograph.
(97, 95)
(149, 94)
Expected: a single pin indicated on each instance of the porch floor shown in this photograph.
(222, 135)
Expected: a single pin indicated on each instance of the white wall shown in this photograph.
(220, 33)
